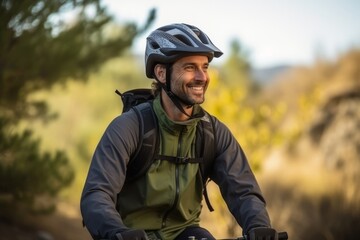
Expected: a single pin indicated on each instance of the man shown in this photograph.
(165, 203)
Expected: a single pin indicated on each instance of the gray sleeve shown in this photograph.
(106, 176)
(237, 183)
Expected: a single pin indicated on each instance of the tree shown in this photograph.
(238, 67)
(40, 45)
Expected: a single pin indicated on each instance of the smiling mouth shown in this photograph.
(197, 88)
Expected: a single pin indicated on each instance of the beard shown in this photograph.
(191, 93)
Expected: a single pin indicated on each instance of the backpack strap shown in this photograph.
(180, 160)
(148, 144)
(205, 148)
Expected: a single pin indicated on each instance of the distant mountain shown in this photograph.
(267, 75)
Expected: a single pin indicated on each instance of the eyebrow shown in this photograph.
(195, 64)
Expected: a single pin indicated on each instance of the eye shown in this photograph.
(190, 68)
(205, 68)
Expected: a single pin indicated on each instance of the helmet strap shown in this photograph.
(174, 98)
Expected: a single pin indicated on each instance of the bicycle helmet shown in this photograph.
(171, 42)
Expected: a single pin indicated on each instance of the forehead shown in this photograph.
(196, 59)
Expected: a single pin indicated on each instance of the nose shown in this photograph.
(201, 74)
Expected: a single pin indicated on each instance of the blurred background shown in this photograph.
(288, 87)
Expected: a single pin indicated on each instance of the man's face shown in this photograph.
(190, 79)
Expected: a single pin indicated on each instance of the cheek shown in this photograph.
(207, 82)
(176, 85)
(179, 80)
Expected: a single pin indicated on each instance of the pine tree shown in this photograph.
(43, 43)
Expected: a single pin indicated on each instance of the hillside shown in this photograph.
(266, 76)
(312, 180)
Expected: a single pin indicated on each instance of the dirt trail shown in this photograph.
(65, 224)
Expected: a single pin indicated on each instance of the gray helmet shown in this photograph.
(171, 42)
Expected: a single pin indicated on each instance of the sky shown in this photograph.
(272, 32)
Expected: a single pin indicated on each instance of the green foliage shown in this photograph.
(36, 51)
(84, 111)
(44, 43)
(237, 68)
(25, 173)
(233, 98)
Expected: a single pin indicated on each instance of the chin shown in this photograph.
(199, 101)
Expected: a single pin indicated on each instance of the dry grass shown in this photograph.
(311, 202)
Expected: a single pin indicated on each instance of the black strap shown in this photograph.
(148, 143)
(206, 196)
(205, 147)
(179, 160)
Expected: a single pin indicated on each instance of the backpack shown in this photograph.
(140, 100)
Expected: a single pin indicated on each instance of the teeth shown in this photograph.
(197, 88)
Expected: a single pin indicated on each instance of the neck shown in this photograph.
(172, 110)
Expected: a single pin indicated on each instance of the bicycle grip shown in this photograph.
(282, 235)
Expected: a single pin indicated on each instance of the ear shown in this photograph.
(160, 72)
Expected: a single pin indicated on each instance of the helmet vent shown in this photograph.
(184, 40)
(154, 45)
(203, 38)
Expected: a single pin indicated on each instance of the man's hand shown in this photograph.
(132, 234)
(262, 233)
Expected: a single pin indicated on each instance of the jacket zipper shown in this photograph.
(177, 183)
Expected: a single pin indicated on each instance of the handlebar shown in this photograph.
(281, 236)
